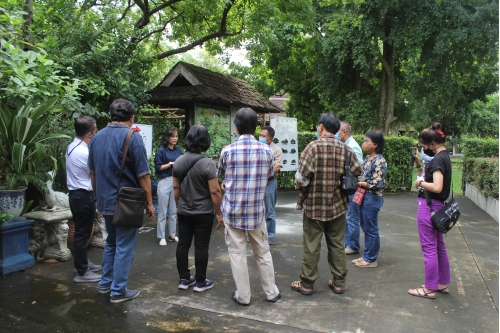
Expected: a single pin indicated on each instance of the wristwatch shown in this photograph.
(420, 184)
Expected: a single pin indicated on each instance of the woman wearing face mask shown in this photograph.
(437, 180)
(374, 169)
(164, 163)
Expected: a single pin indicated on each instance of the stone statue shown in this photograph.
(36, 245)
(55, 200)
(100, 233)
(56, 241)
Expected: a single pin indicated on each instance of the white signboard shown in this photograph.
(285, 137)
(146, 132)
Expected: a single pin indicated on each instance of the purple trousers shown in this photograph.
(436, 264)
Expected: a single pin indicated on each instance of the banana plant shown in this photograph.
(21, 147)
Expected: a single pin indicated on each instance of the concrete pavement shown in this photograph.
(45, 299)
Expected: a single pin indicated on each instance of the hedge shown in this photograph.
(481, 164)
(473, 147)
(483, 174)
(396, 153)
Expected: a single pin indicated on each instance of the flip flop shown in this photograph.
(425, 294)
(297, 286)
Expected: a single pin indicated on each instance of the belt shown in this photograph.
(270, 178)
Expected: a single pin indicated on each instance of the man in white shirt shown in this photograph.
(351, 236)
(266, 136)
(81, 198)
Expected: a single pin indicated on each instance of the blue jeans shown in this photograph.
(117, 257)
(369, 223)
(351, 236)
(270, 203)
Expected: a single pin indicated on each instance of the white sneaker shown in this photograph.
(173, 239)
(163, 242)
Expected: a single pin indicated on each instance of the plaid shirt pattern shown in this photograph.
(246, 166)
(322, 161)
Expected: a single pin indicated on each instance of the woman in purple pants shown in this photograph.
(436, 181)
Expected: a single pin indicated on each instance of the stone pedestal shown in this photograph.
(55, 229)
(14, 254)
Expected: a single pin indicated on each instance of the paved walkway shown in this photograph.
(44, 298)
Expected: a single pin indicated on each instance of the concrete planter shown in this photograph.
(488, 204)
(14, 254)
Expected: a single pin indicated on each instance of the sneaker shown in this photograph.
(349, 251)
(163, 242)
(202, 286)
(271, 240)
(89, 276)
(184, 284)
(104, 290)
(276, 298)
(130, 294)
(93, 267)
(173, 239)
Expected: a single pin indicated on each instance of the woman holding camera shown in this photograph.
(436, 181)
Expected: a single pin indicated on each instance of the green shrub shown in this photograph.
(483, 174)
(396, 153)
(475, 147)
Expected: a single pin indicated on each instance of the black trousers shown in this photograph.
(82, 206)
(200, 226)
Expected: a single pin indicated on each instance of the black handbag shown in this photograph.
(130, 201)
(444, 219)
(349, 183)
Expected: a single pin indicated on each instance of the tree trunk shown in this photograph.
(28, 20)
(387, 89)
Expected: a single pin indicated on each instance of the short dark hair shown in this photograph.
(432, 134)
(168, 133)
(378, 138)
(330, 121)
(346, 125)
(246, 121)
(197, 139)
(121, 110)
(269, 129)
(84, 125)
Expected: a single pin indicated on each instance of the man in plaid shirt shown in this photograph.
(321, 166)
(246, 166)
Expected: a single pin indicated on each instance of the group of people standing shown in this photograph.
(190, 197)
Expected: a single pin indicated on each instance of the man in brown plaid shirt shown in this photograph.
(321, 166)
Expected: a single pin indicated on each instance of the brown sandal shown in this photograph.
(297, 286)
(335, 289)
(416, 292)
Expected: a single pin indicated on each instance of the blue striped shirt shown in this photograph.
(246, 166)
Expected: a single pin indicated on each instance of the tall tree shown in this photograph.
(429, 49)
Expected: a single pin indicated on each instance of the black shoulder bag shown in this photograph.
(130, 201)
(444, 219)
(349, 183)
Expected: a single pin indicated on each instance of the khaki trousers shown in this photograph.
(334, 235)
(236, 242)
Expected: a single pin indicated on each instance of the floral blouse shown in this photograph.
(374, 171)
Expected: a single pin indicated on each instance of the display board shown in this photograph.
(146, 132)
(218, 124)
(285, 137)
